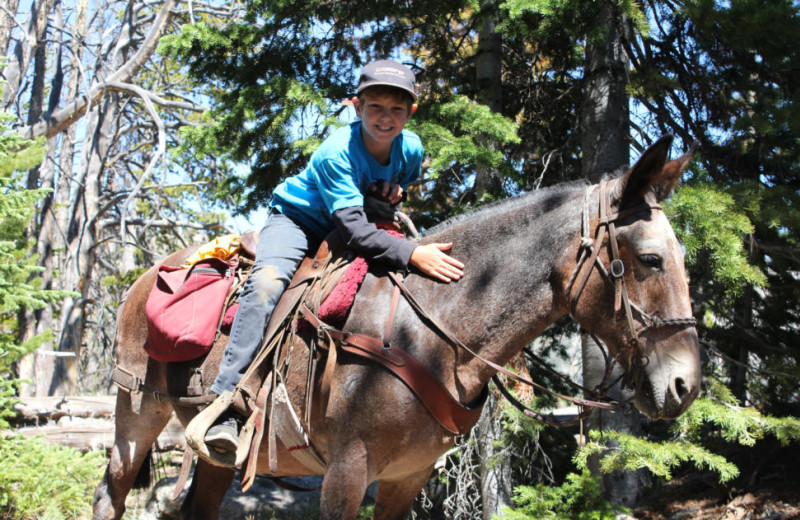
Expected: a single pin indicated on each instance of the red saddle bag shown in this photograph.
(185, 308)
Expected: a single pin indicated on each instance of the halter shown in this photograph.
(615, 274)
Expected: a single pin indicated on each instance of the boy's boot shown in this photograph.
(223, 436)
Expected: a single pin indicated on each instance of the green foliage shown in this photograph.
(706, 218)
(42, 481)
(579, 498)
(17, 154)
(460, 131)
(720, 415)
(277, 80)
(626, 452)
(717, 416)
(273, 77)
(704, 75)
(18, 288)
(36, 480)
(561, 12)
(12, 351)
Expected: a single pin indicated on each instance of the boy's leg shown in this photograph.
(282, 245)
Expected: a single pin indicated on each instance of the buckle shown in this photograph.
(617, 268)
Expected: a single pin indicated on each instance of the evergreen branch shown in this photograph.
(625, 452)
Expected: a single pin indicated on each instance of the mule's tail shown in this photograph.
(144, 478)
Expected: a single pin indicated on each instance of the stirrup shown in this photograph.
(198, 427)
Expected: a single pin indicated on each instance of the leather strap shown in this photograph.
(387, 333)
(249, 470)
(130, 382)
(456, 343)
(183, 476)
(451, 414)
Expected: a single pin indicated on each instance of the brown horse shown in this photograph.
(523, 272)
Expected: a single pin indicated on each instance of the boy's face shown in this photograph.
(383, 117)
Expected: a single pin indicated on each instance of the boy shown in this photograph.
(373, 153)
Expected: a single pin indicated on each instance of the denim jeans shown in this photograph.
(282, 245)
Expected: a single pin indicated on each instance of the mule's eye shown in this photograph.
(651, 261)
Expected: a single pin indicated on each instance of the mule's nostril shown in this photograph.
(681, 389)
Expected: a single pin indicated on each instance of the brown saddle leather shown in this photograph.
(315, 277)
(248, 243)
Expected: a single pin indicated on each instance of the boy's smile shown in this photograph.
(383, 117)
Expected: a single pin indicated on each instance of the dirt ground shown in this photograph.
(767, 489)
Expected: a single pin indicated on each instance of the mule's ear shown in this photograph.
(646, 173)
(671, 174)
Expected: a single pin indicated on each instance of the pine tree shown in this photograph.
(18, 285)
(28, 467)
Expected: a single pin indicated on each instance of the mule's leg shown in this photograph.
(344, 485)
(209, 485)
(395, 497)
(133, 436)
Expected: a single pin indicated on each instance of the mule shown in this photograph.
(526, 266)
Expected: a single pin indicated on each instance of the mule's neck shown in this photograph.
(518, 255)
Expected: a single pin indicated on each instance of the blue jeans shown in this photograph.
(282, 245)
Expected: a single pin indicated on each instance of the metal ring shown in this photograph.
(617, 268)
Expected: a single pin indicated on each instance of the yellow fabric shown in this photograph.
(222, 247)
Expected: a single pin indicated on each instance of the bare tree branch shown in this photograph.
(55, 123)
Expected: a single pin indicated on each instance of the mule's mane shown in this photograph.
(503, 206)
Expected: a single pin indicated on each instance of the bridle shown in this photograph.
(634, 358)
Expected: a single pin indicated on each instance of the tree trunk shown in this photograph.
(497, 485)
(25, 47)
(7, 10)
(605, 117)
(39, 362)
(489, 68)
(739, 370)
(605, 145)
(66, 230)
(623, 488)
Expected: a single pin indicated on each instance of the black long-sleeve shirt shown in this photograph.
(367, 239)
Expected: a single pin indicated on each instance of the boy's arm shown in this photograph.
(366, 238)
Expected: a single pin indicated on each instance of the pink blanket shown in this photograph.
(335, 307)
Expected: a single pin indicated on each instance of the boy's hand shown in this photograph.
(432, 261)
(387, 191)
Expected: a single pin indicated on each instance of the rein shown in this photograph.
(590, 250)
(460, 417)
(450, 338)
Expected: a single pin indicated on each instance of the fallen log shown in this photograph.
(41, 410)
(96, 434)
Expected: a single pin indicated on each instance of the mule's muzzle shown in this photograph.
(664, 390)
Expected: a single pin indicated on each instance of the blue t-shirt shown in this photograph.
(339, 173)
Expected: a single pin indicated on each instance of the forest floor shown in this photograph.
(767, 489)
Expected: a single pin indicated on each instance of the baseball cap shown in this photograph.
(387, 72)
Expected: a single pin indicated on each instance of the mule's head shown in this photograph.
(660, 356)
